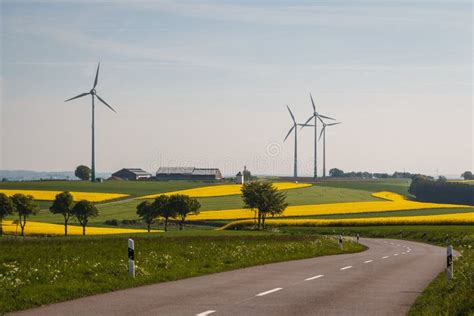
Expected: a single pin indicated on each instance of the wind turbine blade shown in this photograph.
(322, 131)
(319, 118)
(100, 99)
(96, 76)
(326, 117)
(289, 132)
(333, 124)
(306, 123)
(312, 101)
(78, 96)
(292, 116)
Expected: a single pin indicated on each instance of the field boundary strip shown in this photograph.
(444, 219)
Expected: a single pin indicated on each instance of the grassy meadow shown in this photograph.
(36, 271)
(132, 188)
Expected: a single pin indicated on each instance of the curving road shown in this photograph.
(384, 280)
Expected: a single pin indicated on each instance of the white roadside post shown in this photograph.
(449, 268)
(131, 257)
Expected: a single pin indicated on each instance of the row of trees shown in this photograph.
(25, 206)
(428, 190)
(338, 173)
(177, 206)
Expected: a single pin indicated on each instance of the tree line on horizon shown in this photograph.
(338, 173)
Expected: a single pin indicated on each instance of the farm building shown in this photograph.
(132, 174)
(188, 173)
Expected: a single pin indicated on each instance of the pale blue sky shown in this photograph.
(205, 83)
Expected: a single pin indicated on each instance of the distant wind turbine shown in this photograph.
(315, 116)
(94, 94)
(295, 129)
(323, 133)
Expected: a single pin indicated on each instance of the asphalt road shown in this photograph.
(384, 280)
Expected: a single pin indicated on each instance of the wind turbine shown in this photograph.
(323, 132)
(94, 94)
(295, 129)
(315, 116)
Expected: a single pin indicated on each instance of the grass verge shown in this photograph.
(37, 271)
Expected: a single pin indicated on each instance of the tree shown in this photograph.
(264, 197)
(63, 204)
(467, 175)
(334, 172)
(162, 208)
(147, 212)
(83, 173)
(83, 210)
(250, 192)
(6, 208)
(183, 205)
(25, 206)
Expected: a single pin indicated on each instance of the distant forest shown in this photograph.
(428, 190)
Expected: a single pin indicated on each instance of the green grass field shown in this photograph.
(36, 271)
(399, 186)
(425, 212)
(133, 188)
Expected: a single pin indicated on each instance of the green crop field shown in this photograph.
(399, 186)
(133, 188)
(425, 212)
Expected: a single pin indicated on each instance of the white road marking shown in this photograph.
(385, 257)
(396, 254)
(206, 313)
(368, 261)
(315, 277)
(345, 268)
(270, 291)
(403, 253)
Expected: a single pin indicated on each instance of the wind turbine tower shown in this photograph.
(323, 133)
(294, 129)
(315, 116)
(94, 95)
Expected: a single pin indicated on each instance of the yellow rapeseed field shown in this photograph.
(37, 228)
(50, 195)
(226, 189)
(395, 202)
(444, 219)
